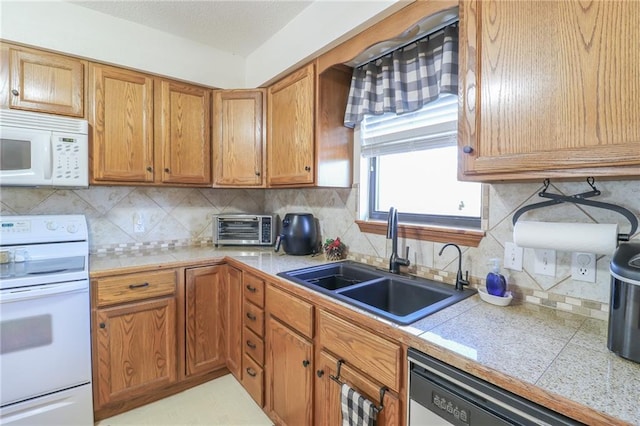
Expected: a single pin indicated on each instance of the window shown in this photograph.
(411, 164)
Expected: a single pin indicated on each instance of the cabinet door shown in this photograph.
(329, 412)
(204, 337)
(233, 318)
(135, 349)
(289, 379)
(183, 133)
(46, 83)
(122, 120)
(238, 137)
(549, 103)
(291, 129)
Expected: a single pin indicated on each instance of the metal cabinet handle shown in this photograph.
(251, 289)
(305, 363)
(307, 168)
(132, 286)
(251, 344)
(149, 169)
(251, 372)
(257, 173)
(167, 170)
(102, 325)
(251, 316)
(320, 373)
(14, 92)
(467, 149)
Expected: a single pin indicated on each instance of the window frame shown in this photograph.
(425, 219)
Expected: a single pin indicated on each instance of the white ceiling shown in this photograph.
(238, 27)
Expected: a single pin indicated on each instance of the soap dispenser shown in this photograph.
(496, 282)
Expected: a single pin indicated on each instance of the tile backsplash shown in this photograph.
(183, 216)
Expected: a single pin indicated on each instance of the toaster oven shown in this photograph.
(244, 229)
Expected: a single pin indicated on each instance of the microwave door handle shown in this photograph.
(48, 154)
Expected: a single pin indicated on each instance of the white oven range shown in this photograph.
(45, 344)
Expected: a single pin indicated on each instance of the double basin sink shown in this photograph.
(398, 298)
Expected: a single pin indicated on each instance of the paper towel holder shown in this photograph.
(580, 199)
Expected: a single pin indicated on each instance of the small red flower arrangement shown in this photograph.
(334, 249)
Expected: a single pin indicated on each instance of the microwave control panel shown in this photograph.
(70, 160)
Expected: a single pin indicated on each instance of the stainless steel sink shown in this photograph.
(400, 299)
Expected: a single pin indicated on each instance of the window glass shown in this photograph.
(412, 161)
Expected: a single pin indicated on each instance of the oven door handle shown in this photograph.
(20, 294)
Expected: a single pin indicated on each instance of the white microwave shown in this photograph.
(43, 150)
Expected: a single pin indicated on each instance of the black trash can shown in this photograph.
(624, 308)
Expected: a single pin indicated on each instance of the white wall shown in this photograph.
(318, 28)
(79, 31)
(76, 30)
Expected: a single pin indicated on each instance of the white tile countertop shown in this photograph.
(562, 354)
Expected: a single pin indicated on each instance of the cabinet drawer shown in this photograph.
(362, 349)
(253, 289)
(253, 379)
(253, 318)
(126, 288)
(253, 346)
(291, 310)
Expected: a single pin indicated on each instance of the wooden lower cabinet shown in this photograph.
(203, 317)
(135, 350)
(289, 375)
(156, 333)
(232, 320)
(327, 393)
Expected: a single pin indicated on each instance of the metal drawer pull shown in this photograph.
(251, 289)
(132, 286)
(251, 344)
(102, 325)
(305, 363)
(251, 372)
(251, 316)
(14, 92)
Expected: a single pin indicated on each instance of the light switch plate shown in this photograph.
(545, 263)
(583, 267)
(513, 256)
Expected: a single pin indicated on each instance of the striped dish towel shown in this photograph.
(356, 409)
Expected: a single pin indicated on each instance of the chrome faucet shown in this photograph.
(392, 233)
(460, 283)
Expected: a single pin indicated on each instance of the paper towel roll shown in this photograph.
(584, 237)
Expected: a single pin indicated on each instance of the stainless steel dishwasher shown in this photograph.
(440, 394)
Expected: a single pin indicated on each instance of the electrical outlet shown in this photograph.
(545, 263)
(513, 256)
(583, 267)
(138, 223)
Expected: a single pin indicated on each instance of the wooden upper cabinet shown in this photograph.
(182, 139)
(239, 135)
(122, 123)
(46, 82)
(549, 89)
(291, 127)
(148, 130)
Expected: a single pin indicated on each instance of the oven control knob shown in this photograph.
(52, 226)
(72, 228)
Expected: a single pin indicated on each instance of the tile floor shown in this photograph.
(222, 401)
